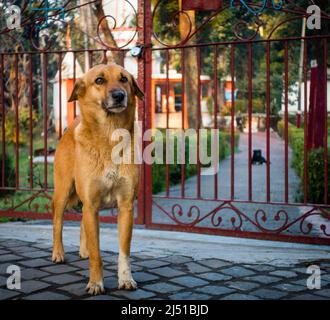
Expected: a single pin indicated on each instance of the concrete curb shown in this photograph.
(163, 243)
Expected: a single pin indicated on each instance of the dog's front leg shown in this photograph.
(83, 250)
(91, 226)
(125, 227)
(58, 212)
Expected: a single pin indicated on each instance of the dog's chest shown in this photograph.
(110, 177)
(110, 185)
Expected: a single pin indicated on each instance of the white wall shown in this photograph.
(56, 104)
(293, 97)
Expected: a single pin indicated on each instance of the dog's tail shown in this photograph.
(73, 200)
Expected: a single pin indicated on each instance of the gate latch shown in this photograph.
(137, 51)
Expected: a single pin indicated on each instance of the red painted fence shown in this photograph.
(28, 194)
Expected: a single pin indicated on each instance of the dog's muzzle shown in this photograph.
(116, 101)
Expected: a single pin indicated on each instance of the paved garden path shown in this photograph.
(277, 171)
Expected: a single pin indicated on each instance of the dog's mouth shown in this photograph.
(113, 107)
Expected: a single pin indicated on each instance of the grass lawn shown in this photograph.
(41, 202)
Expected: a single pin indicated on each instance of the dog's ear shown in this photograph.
(136, 89)
(78, 89)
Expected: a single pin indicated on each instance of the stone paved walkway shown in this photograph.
(170, 277)
(277, 174)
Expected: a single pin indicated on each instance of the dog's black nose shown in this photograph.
(118, 95)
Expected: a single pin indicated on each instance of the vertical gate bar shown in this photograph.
(325, 66)
(30, 123)
(90, 57)
(3, 123)
(182, 123)
(250, 121)
(142, 112)
(60, 92)
(268, 121)
(215, 114)
(167, 123)
(198, 121)
(44, 87)
(74, 80)
(305, 124)
(232, 131)
(16, 124)
(286, 122)
(167, 88)
(147, 72)
(105, 60)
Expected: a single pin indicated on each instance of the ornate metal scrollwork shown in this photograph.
(260, 8)
(31, 203)
(261, 220)
(39, 19)
(193, 214)
(242, 29)
(115, 27)
(277, 218)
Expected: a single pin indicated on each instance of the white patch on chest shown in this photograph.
(110, 180)
(111, 176)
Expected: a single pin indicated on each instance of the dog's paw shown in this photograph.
(83, 253)
(58, 256)
(127, 284)
(95, 288)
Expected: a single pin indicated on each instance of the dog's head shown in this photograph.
(109, 88)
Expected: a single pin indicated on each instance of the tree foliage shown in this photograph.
(224, 27)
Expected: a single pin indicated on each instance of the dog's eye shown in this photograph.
(99, 80)
(123, 79)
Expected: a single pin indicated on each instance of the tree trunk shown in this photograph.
(22, 85)
(85, 24)
(118, 56)
(317, 103)
(190, 72)
(316, 121)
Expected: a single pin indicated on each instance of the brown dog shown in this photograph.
(84, 169)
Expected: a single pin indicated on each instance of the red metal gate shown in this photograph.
(240, 199)
(272, 212)
(36, 81)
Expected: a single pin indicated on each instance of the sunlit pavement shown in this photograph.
(166, 266)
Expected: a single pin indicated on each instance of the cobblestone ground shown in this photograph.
(174, 277)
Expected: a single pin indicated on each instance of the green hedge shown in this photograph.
(9, 174)
(315, 170)
(23, 125)
(159, 170)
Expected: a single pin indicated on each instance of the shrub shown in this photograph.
(23, 125)
(241, 105)
(258, 105)
(315, 168)
(315, 178)
(210, 104)
(9, 174)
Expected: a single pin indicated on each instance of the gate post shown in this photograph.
(144, 107)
